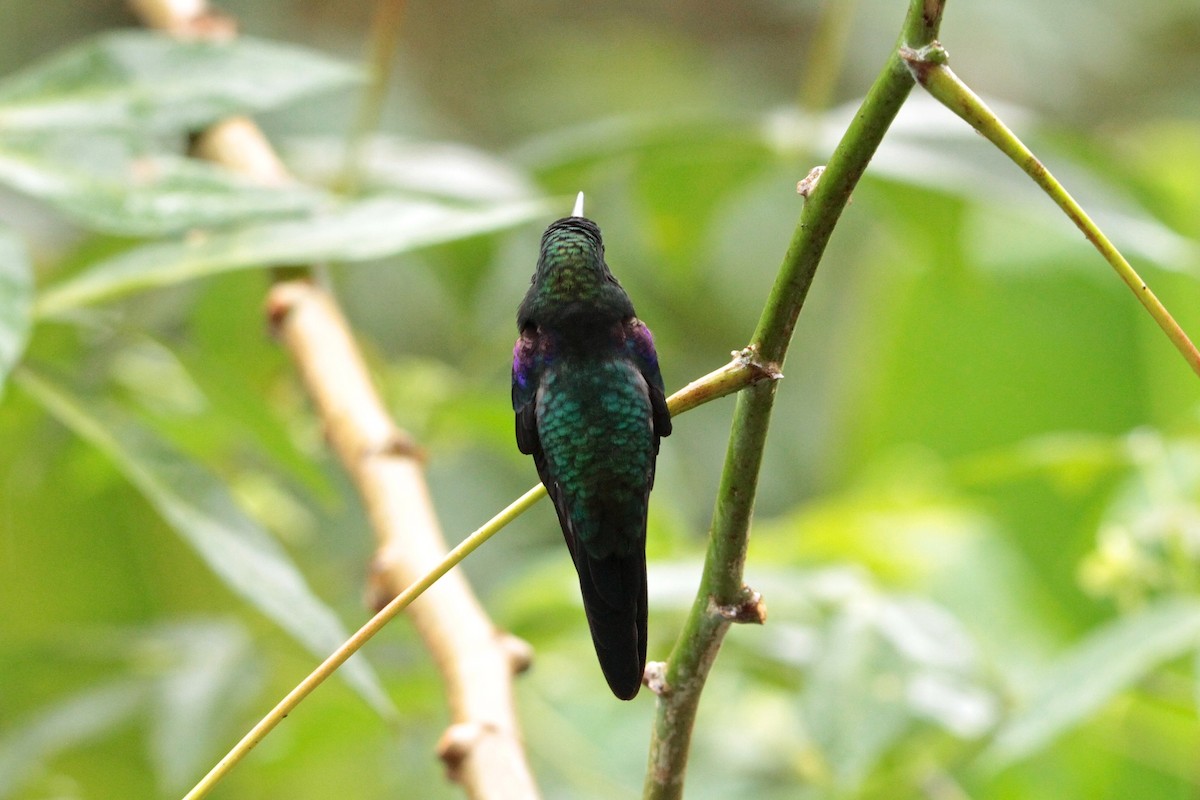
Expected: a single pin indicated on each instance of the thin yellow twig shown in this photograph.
(929, 66)
(361, 637)
(741, 372)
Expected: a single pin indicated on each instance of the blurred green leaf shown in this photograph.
(199, 696)
(611, 138)
(194, 679)
(1146, 541)
(902, 519)
(357, 231)
(438, 169)
(132, 80)
(1071, 460)
(875, 665)
(103, 185)
(16, 301)
(202, 511)
(853, 703)
(1092, 672)
(57, 728)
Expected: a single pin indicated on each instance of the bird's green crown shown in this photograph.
(572, 280)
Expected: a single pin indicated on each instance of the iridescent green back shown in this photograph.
(594, 420)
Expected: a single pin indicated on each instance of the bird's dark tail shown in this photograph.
(614, 599)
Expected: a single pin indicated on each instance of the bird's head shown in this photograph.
(572, 280)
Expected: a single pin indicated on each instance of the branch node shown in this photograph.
(190, 20)
(458, 741)
(519, 651)
(655, 678)
(923, 60)
(763, 370)
(749, 609)
(281, 300)
(808, 185)
(213, 26)
(400, 445)
(378, 592)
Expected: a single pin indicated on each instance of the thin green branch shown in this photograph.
(722, 597)
(361, 637)
(744, 370)
(827, 52)
(929, 67)
(385, 38)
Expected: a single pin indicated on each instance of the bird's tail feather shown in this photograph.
(614, 599)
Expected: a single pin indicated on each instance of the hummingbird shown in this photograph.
(590, 408)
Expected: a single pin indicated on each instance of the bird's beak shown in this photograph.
(578, 210)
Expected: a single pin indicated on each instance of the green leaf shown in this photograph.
(202, 511)
(133, 80)
(55, 729)
(852, 702)
(875, 665)
(1072, 461)
(100, 183)
(437, 169)
(16, 301)
(1105, 663)
(200, 697)
(357, 231)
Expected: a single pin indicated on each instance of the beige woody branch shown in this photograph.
(482, 748)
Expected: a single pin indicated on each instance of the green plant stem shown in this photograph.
(741, 372)
(722, 597)
(929, 67)
(827, 53)
(385, 37)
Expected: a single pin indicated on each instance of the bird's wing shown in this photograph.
(526, 375)
(640, 344)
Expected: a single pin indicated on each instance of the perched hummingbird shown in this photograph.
(590, 409)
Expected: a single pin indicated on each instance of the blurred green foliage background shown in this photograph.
(978, 529)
